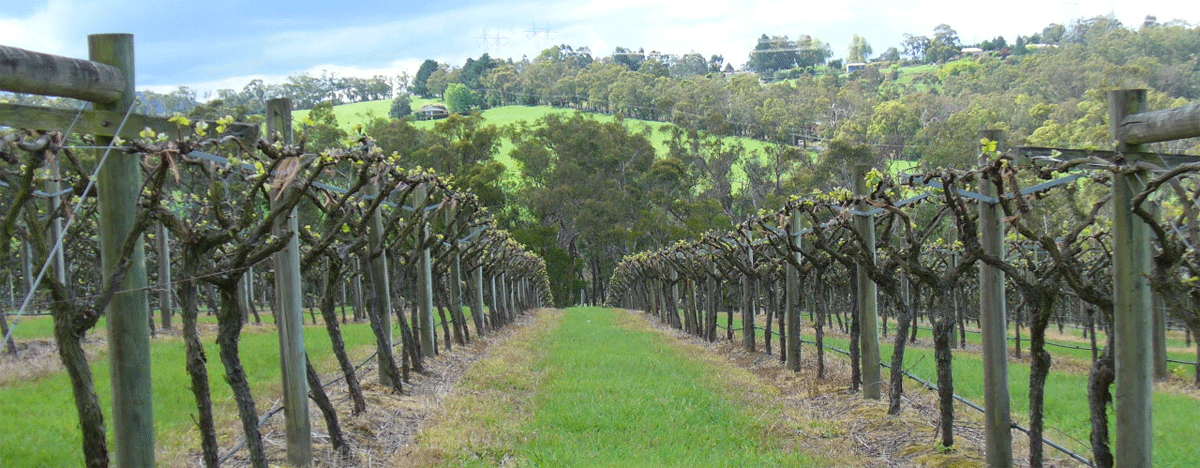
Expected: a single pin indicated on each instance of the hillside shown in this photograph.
(350, 115)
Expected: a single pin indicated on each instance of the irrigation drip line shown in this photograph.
(58, 243)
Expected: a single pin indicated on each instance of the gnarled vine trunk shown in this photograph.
(229, 330)
(332, 274)
(196, 360)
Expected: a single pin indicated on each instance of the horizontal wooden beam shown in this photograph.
(1167, 160)
(102, 123)
(1164, 125)
(24, 71)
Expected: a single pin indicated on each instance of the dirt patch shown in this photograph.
(36, 359)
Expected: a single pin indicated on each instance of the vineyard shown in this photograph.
(111, 212)
(220, 206)
(1092, 237)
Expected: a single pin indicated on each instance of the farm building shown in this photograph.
(432, 112)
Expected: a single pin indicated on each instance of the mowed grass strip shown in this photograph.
(619, 394)
(599, 387)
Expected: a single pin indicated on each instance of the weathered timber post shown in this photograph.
(359, 308)
(1132, 305)
(481, 320)
(1161, 371)
(119, 185)
(748, 290)
(674, 305)
(425, 320)
(456, 295)
(868, 298)
(58, 257)
(497, 313)
(164, 276)
(381, 303)
(793, 295)
(993, 322)
(289, 295)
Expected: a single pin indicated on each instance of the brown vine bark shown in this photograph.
(943, 339)
(329, 314)
(1099, 397)
(196, 359)
(229, 329)
(1039, 369)
(316, 391)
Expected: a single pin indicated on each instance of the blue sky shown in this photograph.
(216, 44)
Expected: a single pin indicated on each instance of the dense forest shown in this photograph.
(588, 191)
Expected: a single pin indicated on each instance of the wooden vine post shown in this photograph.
(993, 322)
(868, 298)
(425, 320)
(118, 186)
(290, 297)
(477, 298)
(793, 311)
(164, 275)
(1132, 305)
(748, 327)
(381, 304)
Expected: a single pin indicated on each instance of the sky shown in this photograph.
(223, 44)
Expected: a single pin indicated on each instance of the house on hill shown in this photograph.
(432, 112)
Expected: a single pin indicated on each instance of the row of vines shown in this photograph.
(213, 210)
(919, 239)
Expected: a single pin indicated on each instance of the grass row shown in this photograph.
(595, 391)
(1066, 409)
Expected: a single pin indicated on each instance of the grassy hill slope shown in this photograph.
(349, 115)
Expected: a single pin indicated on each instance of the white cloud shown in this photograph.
(220, 51)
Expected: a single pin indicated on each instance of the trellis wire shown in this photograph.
(58, 243)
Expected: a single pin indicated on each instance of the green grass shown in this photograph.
(40, 425)
(620, 397)
(1066, 408)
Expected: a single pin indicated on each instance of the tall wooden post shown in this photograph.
(425, 320)
(456, 295)
(497, 313)
(868, 298)
(289, 295)
(1161, 371)
(164, 276)
(119, 185)
(793, 295)
(359, 307)
(992, 322)
(381, 303)
(477, 299)
(58, 256)
(748, 290)
(1132, 305)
